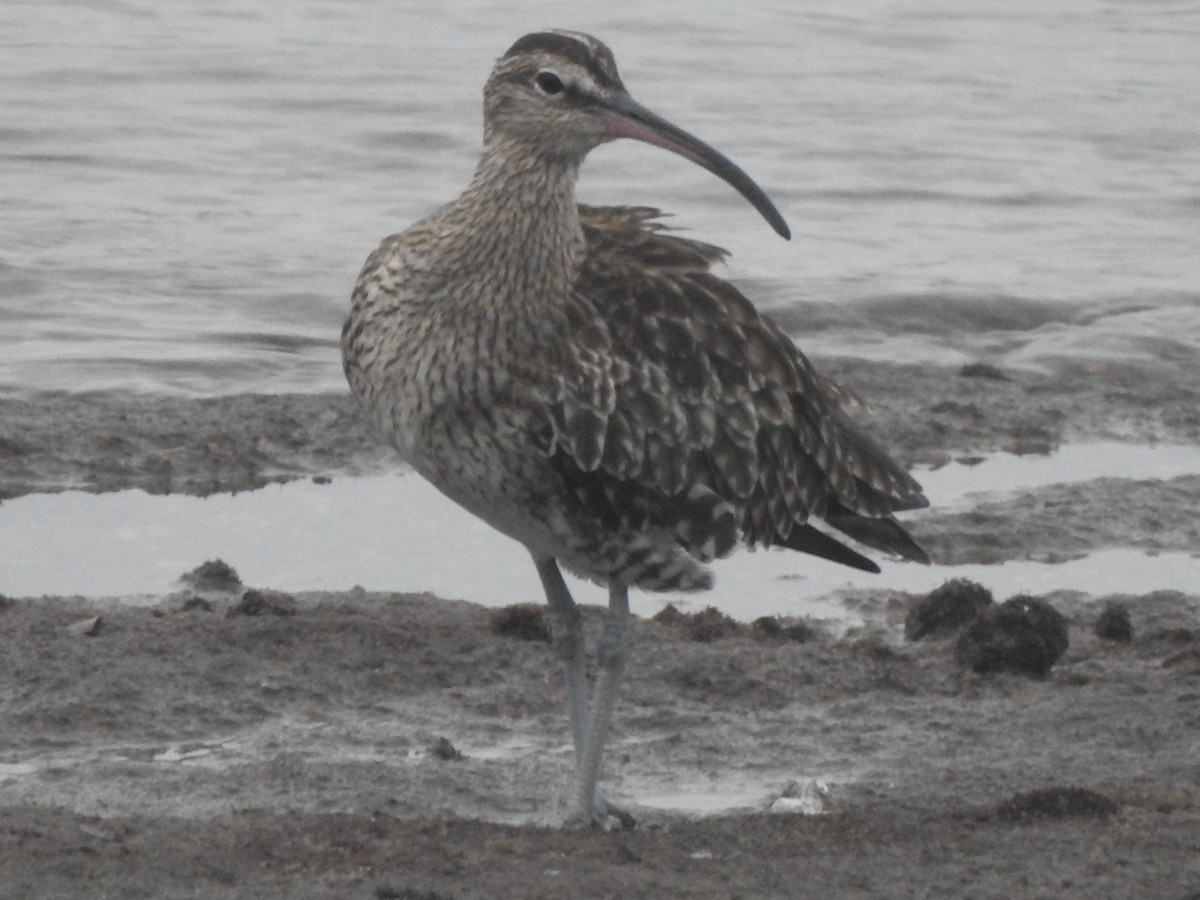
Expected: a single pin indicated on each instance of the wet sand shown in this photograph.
(306, 746)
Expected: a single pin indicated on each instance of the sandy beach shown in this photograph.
(221, 743)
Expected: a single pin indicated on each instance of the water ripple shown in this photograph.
(953, 174)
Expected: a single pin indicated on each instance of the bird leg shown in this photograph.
(610, 658)
(566, 629)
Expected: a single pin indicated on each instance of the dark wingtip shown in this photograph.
(815, 542)
(912, 501)
(886, 535)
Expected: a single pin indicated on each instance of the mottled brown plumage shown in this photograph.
(580, 379)
(737, 408)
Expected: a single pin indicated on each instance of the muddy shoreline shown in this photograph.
(188, 748)
(182, 751)
(923, 414)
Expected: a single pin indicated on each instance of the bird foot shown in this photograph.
(602, 815)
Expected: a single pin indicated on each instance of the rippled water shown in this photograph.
(189, 189)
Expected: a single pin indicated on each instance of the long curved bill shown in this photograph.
(628, 118)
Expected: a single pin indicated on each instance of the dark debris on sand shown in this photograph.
(444, 750)
(522, 621)
(946, 609)
(770, 628)
(1055, 803)
(1024, 634)
(212, 575)
(706, 626)
(256, 602)
(1114, 623)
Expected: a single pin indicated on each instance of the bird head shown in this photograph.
(557, 95)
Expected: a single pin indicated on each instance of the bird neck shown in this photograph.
(519, 219)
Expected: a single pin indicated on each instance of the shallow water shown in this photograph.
(398, 533)
(190, 188)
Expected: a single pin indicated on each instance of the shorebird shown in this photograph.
(579, 379)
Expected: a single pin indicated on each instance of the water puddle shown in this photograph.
(397, 533)
(14, 770)
(706, 802)
(953, 484)
(181, 754)
(768, 791)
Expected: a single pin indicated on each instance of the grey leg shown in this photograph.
(566, 629)
(610, 658)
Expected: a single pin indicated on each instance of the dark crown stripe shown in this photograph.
(572, 50)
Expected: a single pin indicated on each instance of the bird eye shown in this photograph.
(548, 83)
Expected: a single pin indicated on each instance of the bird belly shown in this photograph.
(498, 474)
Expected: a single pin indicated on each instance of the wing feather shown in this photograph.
(692, 412)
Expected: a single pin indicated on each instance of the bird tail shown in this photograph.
(884, 534)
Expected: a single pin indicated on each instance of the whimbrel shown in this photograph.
(580, 380)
